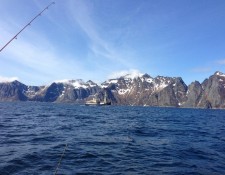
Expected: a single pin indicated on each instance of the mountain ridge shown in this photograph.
(138, 89)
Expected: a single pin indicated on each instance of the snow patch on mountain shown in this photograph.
(149, 80)
(104, 86)
(123, 91)
(91, 83)
(160, 86)
(113, 81)
(63, 93)
(31, 91)
(221, 75)
(77, 84)
(109, 82)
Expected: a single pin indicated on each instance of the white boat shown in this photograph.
(96, 102)
(93, 102)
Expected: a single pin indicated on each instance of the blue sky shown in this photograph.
(99, 39)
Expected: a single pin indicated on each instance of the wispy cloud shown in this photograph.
(52, 11)
(81, 13)
(201, 69)
(42, 58)
(38, 56)
(132, 73)
(221, 62)
(8, 79)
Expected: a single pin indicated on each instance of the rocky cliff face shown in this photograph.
(193, 95)
(125, 90)
(75, 91)
(213, 93)
(209, 94)
(13, 91)
(68, 91)
(145, 90)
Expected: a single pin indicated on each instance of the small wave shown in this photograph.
(112, 140)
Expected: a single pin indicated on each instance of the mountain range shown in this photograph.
(141, 89)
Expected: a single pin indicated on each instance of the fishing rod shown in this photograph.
(56, 170)
(28, 24)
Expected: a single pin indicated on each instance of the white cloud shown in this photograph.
(42, 57)
(37, 55)
(221, 62)
(98, 45)
(132, 73)
(201, 69)
(8, 79)
(34, 57)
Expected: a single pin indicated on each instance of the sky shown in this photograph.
(101, 39)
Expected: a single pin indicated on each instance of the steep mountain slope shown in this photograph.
(64, 91)
(68, 91)
(145, 90)
(213, 95)
(138, 89)
(194, 95)
(13, 91)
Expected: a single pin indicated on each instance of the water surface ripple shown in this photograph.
(110, 140)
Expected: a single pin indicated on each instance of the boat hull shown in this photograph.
(97, 104)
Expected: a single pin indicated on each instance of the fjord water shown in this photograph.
(110, 139)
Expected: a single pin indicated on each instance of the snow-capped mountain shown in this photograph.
(68, 91)
(130, 89)
(146, 90)
(77, 84)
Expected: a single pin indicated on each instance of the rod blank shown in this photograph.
(28, 24)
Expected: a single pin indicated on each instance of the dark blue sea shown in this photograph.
(110, 140)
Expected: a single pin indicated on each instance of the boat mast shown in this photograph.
(15, 37)
(105, 98)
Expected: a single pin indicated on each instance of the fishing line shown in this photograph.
(56, 170)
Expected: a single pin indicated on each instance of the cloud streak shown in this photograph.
(42, 58)
(37, 55)
(132, 73)
(100, 47)
(221, 62)
(8, 79)
(201, 69)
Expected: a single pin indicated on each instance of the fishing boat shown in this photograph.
(96, 101)
(93, 102)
